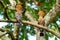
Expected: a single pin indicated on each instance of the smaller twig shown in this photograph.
(3, 29)
(6, 14)
(11, 34)
(5, 9)
(14, 21)
(2, 34)
(30, 17)
(12, 2)
(2, 3)
(7, 32)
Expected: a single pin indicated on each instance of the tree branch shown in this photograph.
(8, 32)
(35, 25)
(16, 31)
(29, 16)
(2, 3)
(12, 2)
(5, 9)
(2, 34)
(3, 37)
(6, 14)
(52, 13)
(3, 29)
(43, 27)
(48, 16)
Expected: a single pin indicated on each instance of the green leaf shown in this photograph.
(49, 34)
(56, 38)
(6, 1)
(11, 13)
(46, 37)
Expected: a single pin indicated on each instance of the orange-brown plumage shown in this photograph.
(41, 20)
(41, 13)
(18, 13)
(18, 6)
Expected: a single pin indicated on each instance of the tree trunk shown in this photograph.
(16, 31)
(38, 37)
